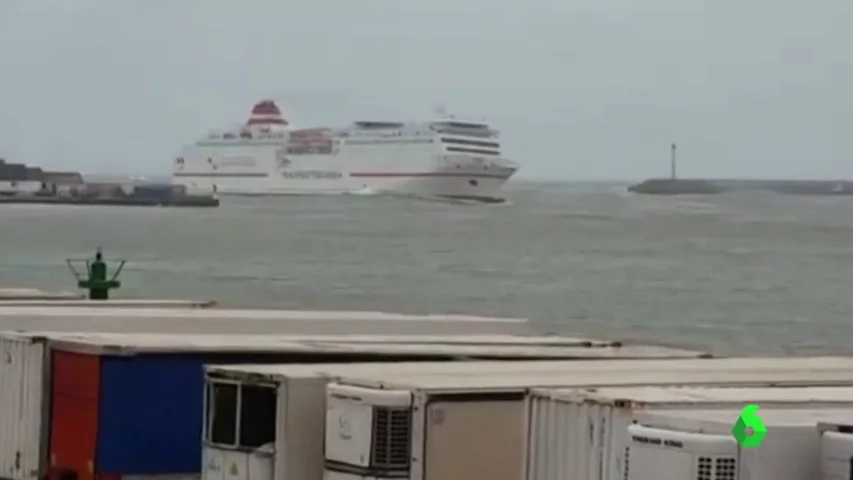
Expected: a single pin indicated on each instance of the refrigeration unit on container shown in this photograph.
(699, 444)
(836, 444)
(131, 404)
(582, 433)
(472, 425)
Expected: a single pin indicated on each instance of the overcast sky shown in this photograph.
(580, 89)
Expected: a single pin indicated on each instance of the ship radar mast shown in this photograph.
(441, 112)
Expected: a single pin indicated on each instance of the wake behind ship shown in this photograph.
(269, 156)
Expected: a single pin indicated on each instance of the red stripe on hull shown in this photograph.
(221, 175)
(430, 174)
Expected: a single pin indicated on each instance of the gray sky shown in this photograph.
(581, 89)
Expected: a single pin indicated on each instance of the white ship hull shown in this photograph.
(470, 183)
(383, 158)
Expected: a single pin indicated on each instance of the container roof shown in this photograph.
(451, 346)
(610, 373)
(648, 396)
(36, 294)
(217, 320)
(694, 366)
(280, 372)
(777, 417)
(277, 372)
(245, 314)
(111, 303)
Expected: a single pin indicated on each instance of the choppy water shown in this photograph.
(734, 272)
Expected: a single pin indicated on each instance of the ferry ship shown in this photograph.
(267, 155)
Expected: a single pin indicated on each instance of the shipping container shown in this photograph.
(561, 422)
(216, 320)
(432, 427)
(698, 444)
(836, 451)
(150, 363)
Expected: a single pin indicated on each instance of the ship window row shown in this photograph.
(240, 415)
(309, 149)
(387, 140)
(476, 143)
(472, 150)
(468, 133)
(236, 143)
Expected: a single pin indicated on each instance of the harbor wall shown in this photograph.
(710, 186)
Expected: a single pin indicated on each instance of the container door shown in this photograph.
(474, 440)
(22, 417)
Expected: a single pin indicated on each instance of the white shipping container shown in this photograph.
(433, 427)
(836, 451)
(24, 370)
(698, 444)
(24, 379)
(582, 433)
(221, 320)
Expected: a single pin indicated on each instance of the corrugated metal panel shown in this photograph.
(151, 415)
(22, 407)
(74, 406)
(548, 457)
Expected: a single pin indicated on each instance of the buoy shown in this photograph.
(96, 275)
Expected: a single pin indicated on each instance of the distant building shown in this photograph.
(19, 172)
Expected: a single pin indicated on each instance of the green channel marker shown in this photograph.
(749, 419)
